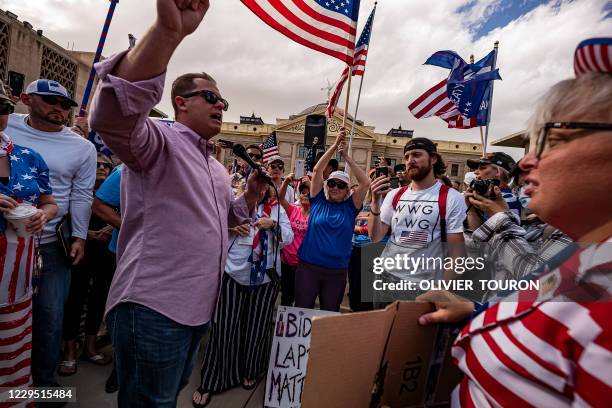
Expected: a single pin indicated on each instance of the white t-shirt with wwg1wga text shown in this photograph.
(415, 227)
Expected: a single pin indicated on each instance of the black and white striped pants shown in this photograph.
(241, 335)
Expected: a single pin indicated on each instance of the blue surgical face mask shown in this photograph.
(524, 198)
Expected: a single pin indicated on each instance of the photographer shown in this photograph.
(553, 346)
(494, 169)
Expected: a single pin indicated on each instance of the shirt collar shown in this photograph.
(206, 146)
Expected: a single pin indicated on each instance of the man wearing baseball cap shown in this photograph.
(276, 168)
(420, 218)
(497, 166)
(72, 171)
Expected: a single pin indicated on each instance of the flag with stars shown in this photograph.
(358, 69)
(327, 26)
(463, 99)
(269, 147)
(99, 143)
(361, 48)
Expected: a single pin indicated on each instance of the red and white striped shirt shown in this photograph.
(550, 347)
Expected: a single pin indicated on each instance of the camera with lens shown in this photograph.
(482, 187)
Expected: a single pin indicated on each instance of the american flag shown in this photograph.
(593, 55)
(359, 61)
(415, 238)
(435, 102)
(269, 147)
(327, 26)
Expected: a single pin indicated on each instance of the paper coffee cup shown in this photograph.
(19, 216)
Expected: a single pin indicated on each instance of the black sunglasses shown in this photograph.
(6, 109)
(255, 156)
(277, 166)
(105, 165)
(337, 183)
(543, 134)
(209, 97)
(54, 100)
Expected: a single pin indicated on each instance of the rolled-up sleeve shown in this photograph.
(239, 212)
(81, 195)
(119, 114)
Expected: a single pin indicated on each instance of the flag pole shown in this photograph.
(92, 73)
(479, 127)
(348, 94)
(350, 146)
(486, 138)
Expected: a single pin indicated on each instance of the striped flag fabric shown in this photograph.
(435, 101)
(269, 147)
(593, 55)
(327, 26)
(358, 66)
(361, 48)
(335, 96)
(414, 238)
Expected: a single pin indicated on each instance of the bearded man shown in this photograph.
(424, 220)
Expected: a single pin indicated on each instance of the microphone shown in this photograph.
(241, 152)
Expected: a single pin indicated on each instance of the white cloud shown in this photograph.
(260, 70)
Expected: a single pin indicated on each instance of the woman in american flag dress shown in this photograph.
(552, 346)
(24, 178)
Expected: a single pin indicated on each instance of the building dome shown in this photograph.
(320, 108)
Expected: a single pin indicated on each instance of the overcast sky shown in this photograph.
(259, 70)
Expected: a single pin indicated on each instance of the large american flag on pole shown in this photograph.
(269, 147)
(327, 26)
(358, 66)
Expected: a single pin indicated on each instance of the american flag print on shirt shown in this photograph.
(414, 238)
(327, 26)
(550, 347)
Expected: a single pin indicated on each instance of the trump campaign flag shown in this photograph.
(463, 99)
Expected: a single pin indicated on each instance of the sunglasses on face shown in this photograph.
(105, 165)
(277, 166)
(54, 100)
(6, 109)
(255, 156)
(209, 97)
(543, 143)
(336, 183)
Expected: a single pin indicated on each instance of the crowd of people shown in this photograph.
(161, 244)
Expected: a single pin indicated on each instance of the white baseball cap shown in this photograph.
(275, 158)
(339, 175)
(48, 87)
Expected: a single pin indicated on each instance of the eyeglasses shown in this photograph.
(255, 156)
(54, 100)
(6, 109)
(209, 97)
(105, 165)
(337, 183)
(278, 166)
(542, 142)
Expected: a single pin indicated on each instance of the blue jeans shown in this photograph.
(48, 314)
(154, 355)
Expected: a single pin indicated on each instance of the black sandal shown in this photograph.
(202, 404)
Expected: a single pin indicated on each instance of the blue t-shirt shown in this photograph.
(110, 193)
(328, 240)
(28, 180)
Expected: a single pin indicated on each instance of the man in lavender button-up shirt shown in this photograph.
(176, 206)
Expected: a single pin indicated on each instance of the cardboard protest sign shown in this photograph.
(289, 356)
(379, 358)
